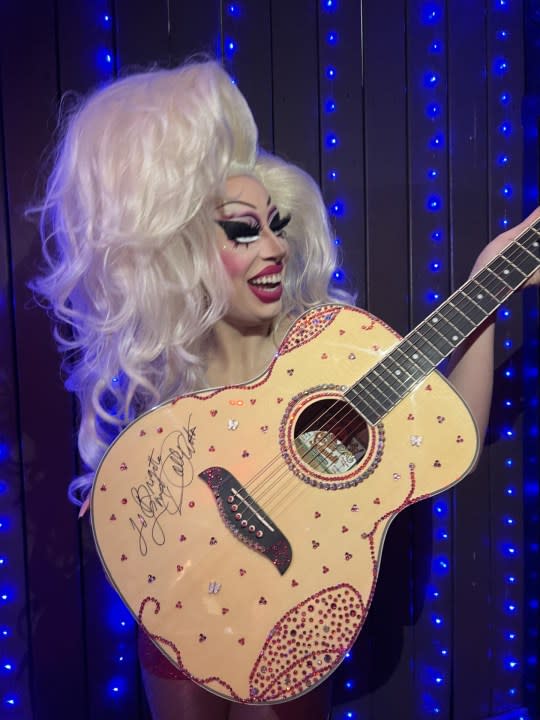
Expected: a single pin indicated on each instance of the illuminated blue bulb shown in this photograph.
(508, 462)
(509, 521)
(330, 72)
(349, 684)
(505, 128)
(332, 174)
(332, 37)
(437, 620)
(433, 110)
(431, 79)
(507, 344)
(443, 564)
(444, 651)
(435, 266)
(509, 433)
(511, 607)
(502, 3)
(433, 296)
(330, 106)
(435, 46)
(337, 241)
(329, 4)
(3, 560)
(438, 680)
(501, 65)
(512, 664)
(4, 596)
(511, 579)
(7, 666)
(108, 57)
(509, 373)
(502, 35)
(233, 9)
(503, 160)
(506, 191)
(431, 14)
(434, 203)
(504, 223)
(511, 636)
(505, 313)
(510, 550)
(436, 236)
(435, 594)
(441, 508)
(230, 47)
(10, 700)
(347, 655)
(504, 98)
(337, 208)
(510, 491)
(437, 141)
(331, 141)
(107, 18)
(512, 691)
(339, 275)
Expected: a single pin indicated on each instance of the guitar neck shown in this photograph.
(385, 385)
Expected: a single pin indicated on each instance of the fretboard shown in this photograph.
(406, 365)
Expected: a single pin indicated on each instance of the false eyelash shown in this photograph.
(235, 230)
(278, 223)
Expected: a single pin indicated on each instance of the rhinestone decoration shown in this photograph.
(307, 642)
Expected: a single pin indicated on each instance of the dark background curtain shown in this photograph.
(419, 120)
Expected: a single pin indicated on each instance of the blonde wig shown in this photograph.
(132, 272)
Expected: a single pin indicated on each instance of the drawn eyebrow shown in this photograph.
(242, 202)
(236, 202)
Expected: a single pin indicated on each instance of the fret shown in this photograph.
(410, 364)
(460, 321)
(412, 351)
(525, 257)
(482, 297)
(470, 307)
(353, 395)
(506, 271)
(392, 383)
(426, 347)
(436, 324)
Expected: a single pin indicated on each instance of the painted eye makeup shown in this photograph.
(278, 224)
(240, 232)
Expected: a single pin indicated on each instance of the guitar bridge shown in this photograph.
(245, 519)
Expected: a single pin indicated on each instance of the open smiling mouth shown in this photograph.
(267, 288)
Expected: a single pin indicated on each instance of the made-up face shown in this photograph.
(254, 250)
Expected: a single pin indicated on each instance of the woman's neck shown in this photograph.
(236, 355)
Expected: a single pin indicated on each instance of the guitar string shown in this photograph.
(328, 438)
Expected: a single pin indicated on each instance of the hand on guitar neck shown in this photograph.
(471, 366)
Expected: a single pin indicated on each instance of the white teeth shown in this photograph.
(266, 280)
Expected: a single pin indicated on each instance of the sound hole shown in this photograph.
(330, 436)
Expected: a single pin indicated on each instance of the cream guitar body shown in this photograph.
(243, 526)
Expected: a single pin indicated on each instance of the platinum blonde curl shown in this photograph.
(132, 273)
(131, 269)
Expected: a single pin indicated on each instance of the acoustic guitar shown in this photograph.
(243, 526)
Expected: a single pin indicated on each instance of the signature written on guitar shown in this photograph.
(168, 472)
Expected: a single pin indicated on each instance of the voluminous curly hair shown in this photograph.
(132, 272)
